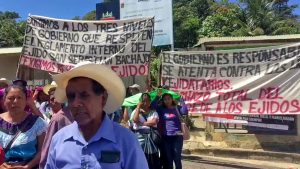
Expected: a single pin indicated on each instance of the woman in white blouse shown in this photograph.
(145, 121)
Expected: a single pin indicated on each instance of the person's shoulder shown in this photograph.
(34, 118)
(120, 129)
(122, 132)
(128, 143)
(64, 133)
(40, 120)
(3, 115)
(63, 113)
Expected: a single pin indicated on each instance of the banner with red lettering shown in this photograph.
(56, 45)
(245, 81)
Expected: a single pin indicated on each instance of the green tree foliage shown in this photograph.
(269, 17)
(224, 22)
(154, 70)
(76, 18)
(187, 18)
(11, 31)
(88, 16)
(250, 18)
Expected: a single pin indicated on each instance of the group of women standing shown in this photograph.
(162, 115)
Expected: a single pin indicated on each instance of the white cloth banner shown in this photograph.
(56, 45)
(245, 81)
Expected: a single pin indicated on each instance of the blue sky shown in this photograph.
(64, 9)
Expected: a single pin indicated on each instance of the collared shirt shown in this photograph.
(112, 147)
(59, 120)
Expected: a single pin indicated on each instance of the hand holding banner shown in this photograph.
(56, 45)
(245, 81)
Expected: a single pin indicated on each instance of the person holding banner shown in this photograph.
(169, 126)
(93, 140)
(21, 133)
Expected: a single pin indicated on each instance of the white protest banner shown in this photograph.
(161, 10)
(56, 45)
(245, 81)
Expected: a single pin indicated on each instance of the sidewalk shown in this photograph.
(199, 145)
(246, 163)
(235, 153)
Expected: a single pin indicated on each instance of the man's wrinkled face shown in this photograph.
(85, 105)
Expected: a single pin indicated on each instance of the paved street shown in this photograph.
(204, 162)
(214, 164)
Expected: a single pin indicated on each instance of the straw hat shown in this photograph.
(4, 80)
(100, 73)
(135, 86)
(48, 87)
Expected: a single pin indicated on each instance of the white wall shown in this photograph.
(8, 66)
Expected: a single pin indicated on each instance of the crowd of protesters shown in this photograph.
(30, 119)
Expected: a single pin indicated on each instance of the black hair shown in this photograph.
(145, 94)
(167, 94)
(8, 89)
(98, 89)
(38, 96)
(128, 94)
(23, 82)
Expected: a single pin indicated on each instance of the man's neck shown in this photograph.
(89, 130)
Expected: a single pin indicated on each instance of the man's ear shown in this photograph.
(105, 96)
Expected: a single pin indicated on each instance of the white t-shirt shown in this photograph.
(152, 115)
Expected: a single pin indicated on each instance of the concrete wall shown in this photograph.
(9, 66)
